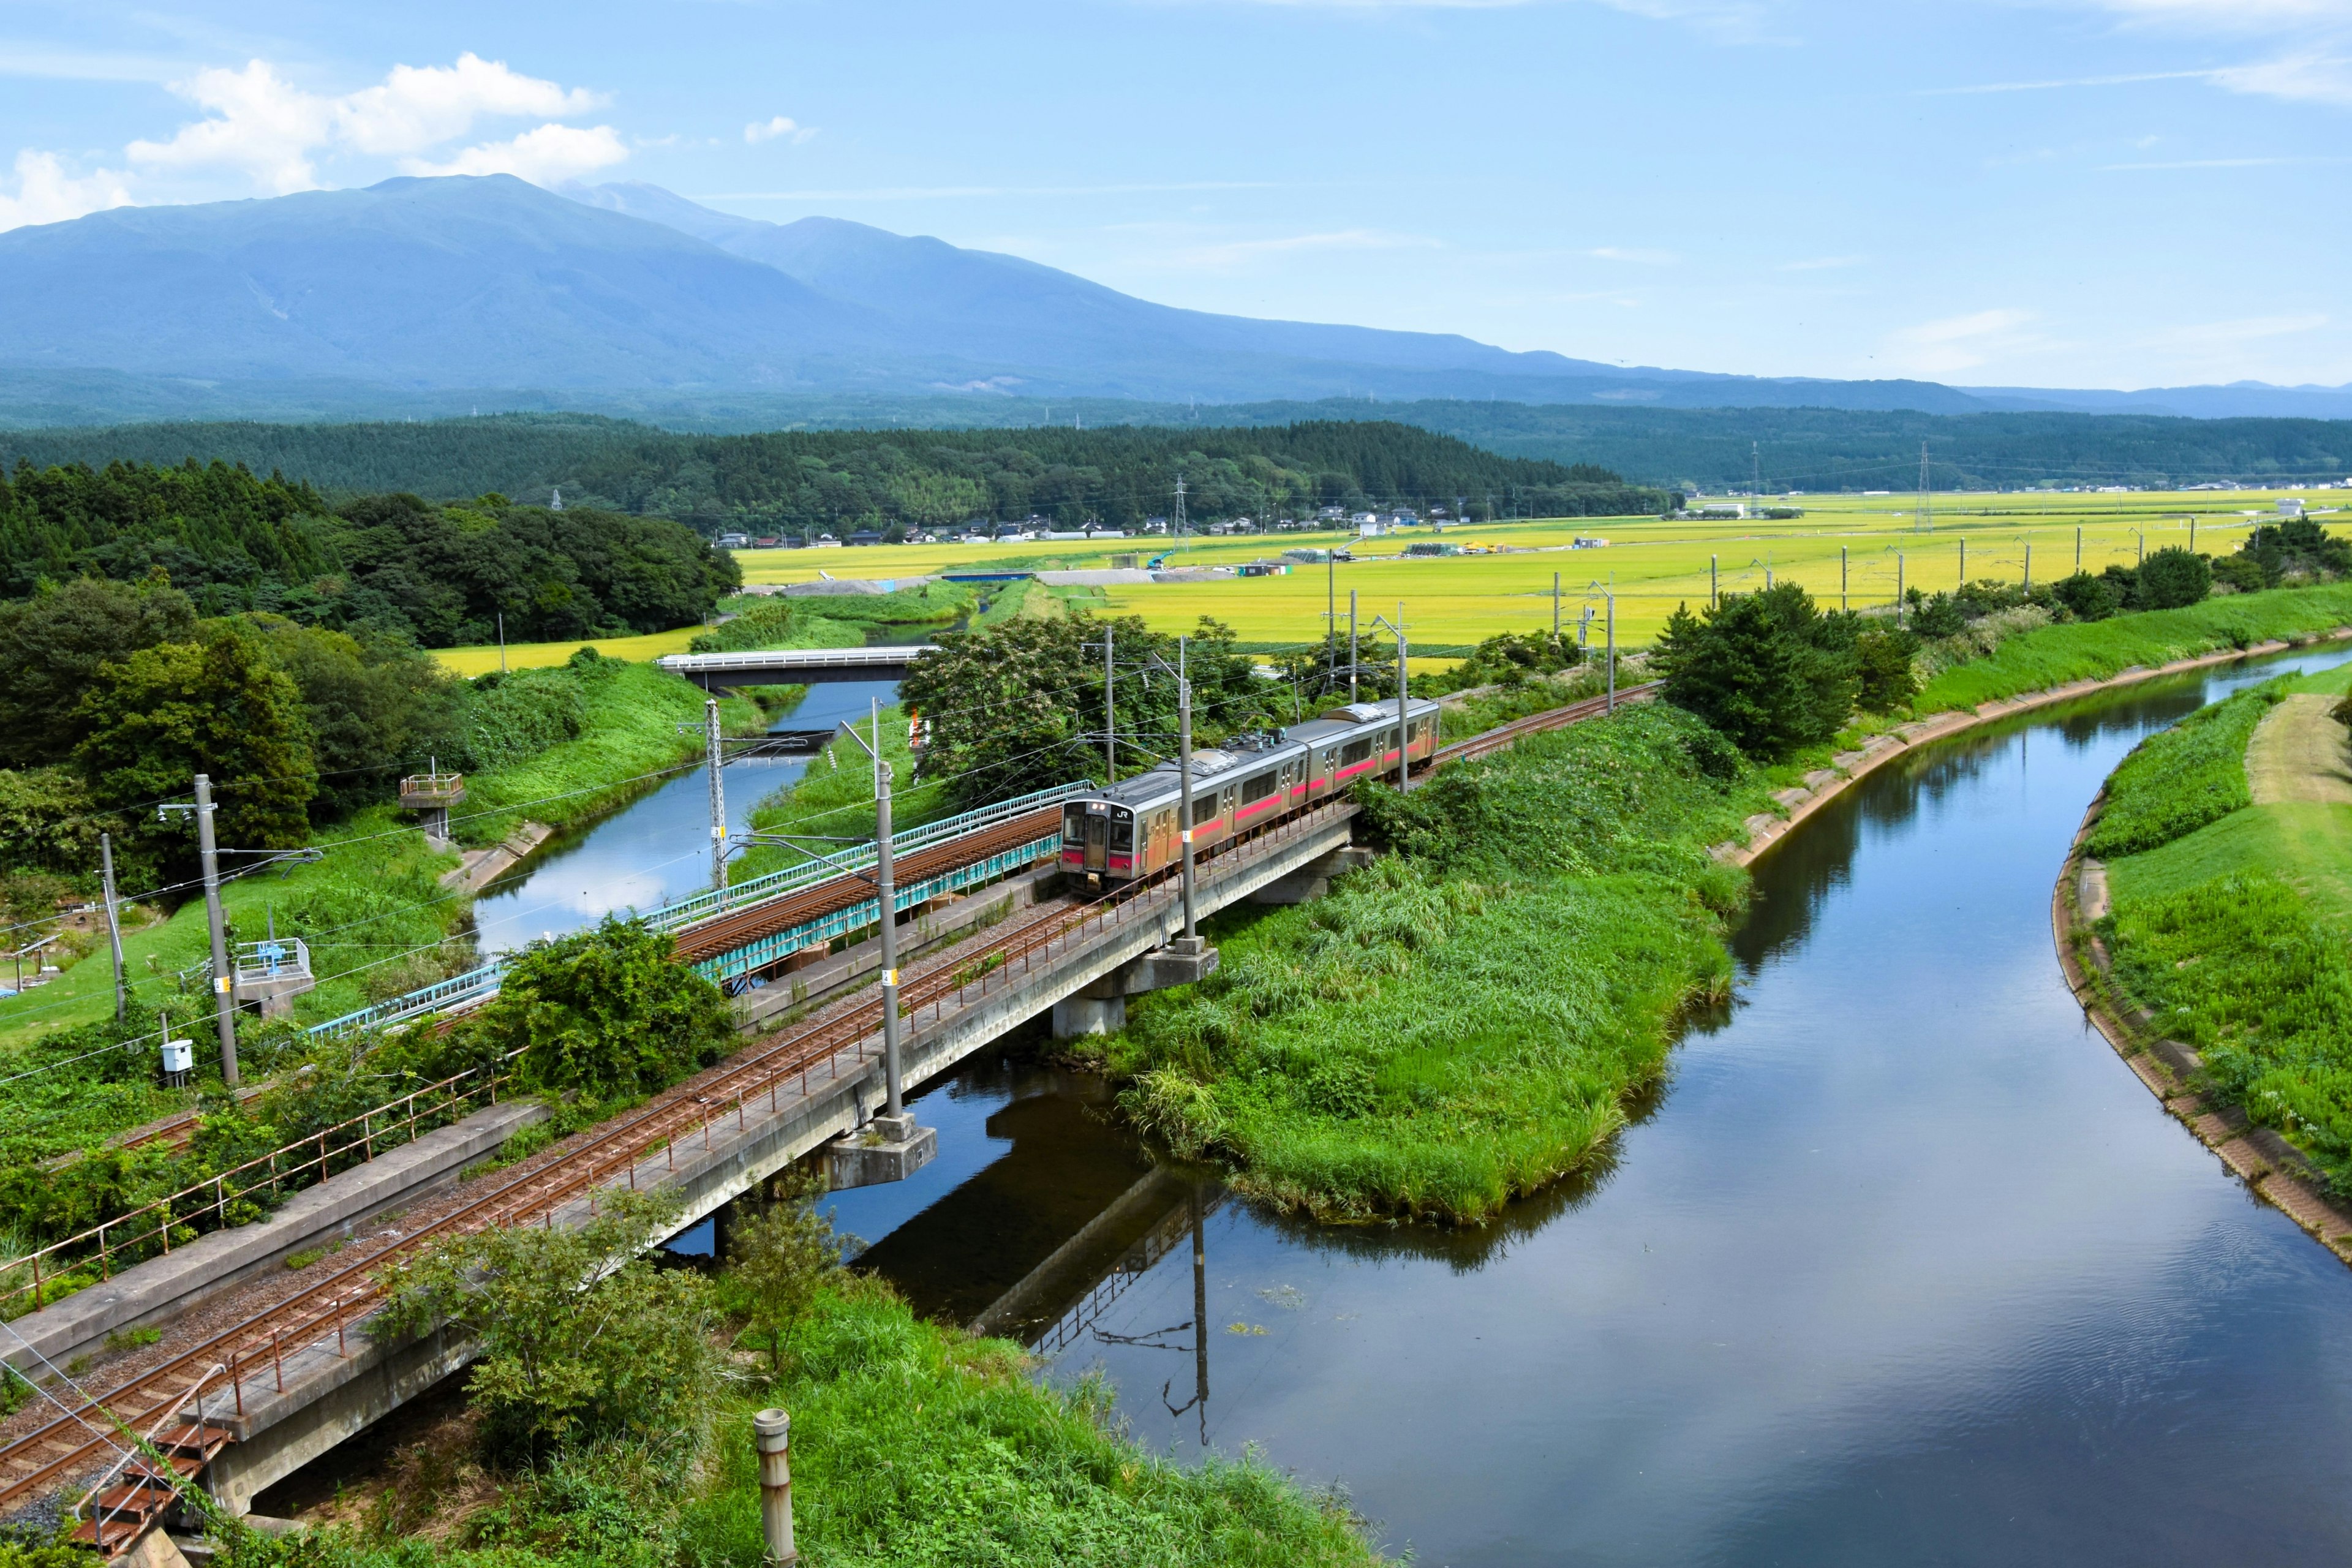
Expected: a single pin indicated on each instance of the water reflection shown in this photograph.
(1906, 1266)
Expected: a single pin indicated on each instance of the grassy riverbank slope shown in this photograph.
(912, 1446)
(1466, 1020)
(2232, 905)
(2094, 650)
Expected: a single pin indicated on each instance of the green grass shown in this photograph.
(373, 895)
(2094, 650)
(635, 711)
(912, 1446)
(2237, 936)
(2178, 780)
(1460, 1024)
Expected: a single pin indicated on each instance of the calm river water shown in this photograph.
(1903, 1266)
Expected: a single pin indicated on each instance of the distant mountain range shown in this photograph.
(429, 297)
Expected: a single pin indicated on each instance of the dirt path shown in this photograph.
(2298, 754)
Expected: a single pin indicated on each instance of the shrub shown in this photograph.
(2172, 579)
(2088, 598)
(604, 1012)
(1883, 664)
(572, 1348)
(777, 1259)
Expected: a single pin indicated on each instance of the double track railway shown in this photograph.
(85, 1437)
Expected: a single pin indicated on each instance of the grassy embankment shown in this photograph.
(1466, 1020)
(2094, 650)
(2231, 890)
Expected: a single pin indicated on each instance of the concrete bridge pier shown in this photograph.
(1312, 880)
(1100, 1007)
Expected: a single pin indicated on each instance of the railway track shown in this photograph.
(82, 1439)
(725, 933)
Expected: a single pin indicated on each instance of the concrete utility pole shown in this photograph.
(1555, 606)
(1963, 564)
(713, 741)
(1841, 593)
(224, 977)
(1184, 783)
(1714, 599)
(1331, 614)
(1612, 650)
(1404, 687)
(2028, 566)
(1111, 716)
(1898, 587)
(887, 891)
(2078, 548)
(113, 920)
(502, 642)
(1351, 645)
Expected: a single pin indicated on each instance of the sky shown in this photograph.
(2033, 192)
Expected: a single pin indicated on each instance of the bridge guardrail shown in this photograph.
(787, 657)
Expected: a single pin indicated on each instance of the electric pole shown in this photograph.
(1926, 496)
(224, 977)
(1351, 645)
(1756, 483)
(887, 892)
(718, 760)
(1184, 782)
(113, 919)
(1110, 717)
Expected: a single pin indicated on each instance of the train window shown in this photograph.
(1259, 787)
(1122, 832)
(1356, 752)
(1073, 822)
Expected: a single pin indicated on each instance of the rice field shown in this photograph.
(1856, 550)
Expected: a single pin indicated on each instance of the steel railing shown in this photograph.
(113, 1238)
(793, 658)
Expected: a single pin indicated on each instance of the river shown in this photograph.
(1903, 1265)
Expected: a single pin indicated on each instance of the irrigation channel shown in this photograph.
(1903, 1265)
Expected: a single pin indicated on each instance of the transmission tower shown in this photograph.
(1756, 458)
(1180, 506)
(1926, 496)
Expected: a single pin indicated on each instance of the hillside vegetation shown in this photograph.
(812, 480)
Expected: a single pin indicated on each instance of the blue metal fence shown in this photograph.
(479, 985)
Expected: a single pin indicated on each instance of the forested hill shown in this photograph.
(438, 575)
(809, 480)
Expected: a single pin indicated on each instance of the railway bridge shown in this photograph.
(238, 1408)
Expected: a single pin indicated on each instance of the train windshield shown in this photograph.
(1122, 831)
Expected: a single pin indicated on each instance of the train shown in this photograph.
(1129, 829)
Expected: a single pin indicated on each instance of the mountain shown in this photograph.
(422, 297)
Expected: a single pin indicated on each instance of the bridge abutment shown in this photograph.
(1100, 1006)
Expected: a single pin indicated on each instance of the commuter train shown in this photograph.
(1129, 830)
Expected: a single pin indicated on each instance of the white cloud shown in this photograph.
(1824, 263)
(2301, 79)
(769, 130)
(1638, 258)
(417, 108)
(1955, 343)
(2235, 15)
(272, 130)
(47, 193)
(544, 156)
(259, 125)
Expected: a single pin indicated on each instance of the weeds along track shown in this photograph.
(1489, 742)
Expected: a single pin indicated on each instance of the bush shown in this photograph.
(2240, 572)
(2088, 598)
(778, 1258)
(2172, 579)
(604, 1012)
(1768, 670)
(569, 1351)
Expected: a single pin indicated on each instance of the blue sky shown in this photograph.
(2062, 193)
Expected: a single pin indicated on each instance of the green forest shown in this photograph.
(809, 481)
(630, 464)
(436, 575)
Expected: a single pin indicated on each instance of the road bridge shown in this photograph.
(794, 667)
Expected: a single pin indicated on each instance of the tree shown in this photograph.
(1018, 706)
(1767, 669)
(606, 1012)
(52, 644)
(572, 1348)
(2296, 547)
(777, 1258)
(1883, 668)
(218, 706)
(376, 705)
(2173, 578)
